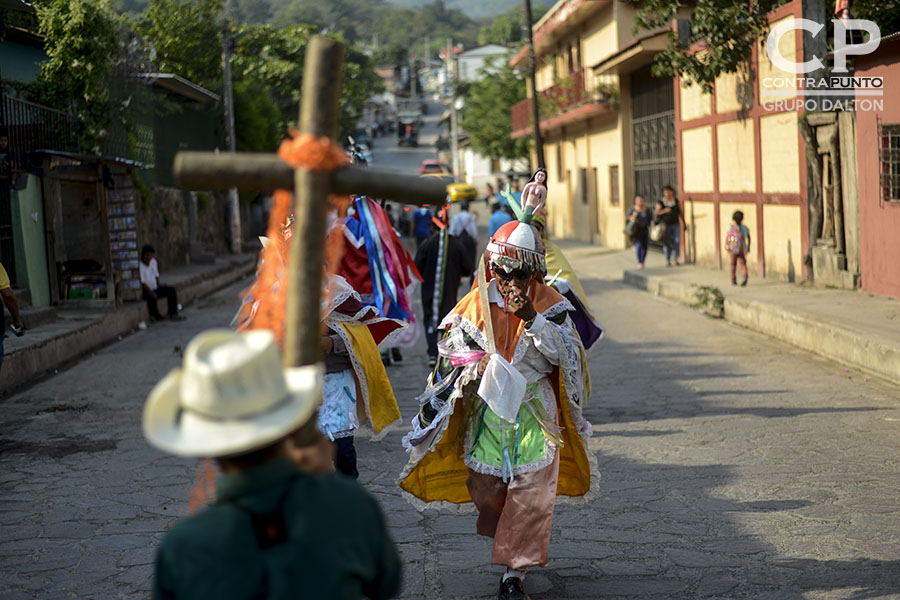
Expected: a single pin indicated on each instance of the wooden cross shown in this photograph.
(323, 74)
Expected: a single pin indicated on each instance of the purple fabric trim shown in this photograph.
(587, 330)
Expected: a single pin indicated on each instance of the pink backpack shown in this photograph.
(734, 240)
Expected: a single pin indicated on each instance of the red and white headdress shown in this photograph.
(516, 245)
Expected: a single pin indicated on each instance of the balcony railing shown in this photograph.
(564, 96)
(31, 126)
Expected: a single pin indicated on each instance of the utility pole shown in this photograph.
(454, 127)
(234, 208)
(412, 73)
(535, 115)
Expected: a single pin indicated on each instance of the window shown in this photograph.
(614, 185)
(889, 151)
(495, 165)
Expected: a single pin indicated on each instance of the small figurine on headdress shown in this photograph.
(534, 195)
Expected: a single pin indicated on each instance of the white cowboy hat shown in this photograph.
(230, 397)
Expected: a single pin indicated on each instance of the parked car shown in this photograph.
(456, 190)
(433, 166)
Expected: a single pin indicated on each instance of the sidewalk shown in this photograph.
(78, 331)
(856, 329)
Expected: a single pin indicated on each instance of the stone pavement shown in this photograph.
(733, 466)
(855, 328)
(79, 330)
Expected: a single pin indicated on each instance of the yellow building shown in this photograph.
(740, 148)
(608, 125)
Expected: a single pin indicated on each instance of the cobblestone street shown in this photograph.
(732, 466)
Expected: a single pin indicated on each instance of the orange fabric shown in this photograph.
(270, 286)
(508, 327)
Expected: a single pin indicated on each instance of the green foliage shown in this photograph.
(273, 57)
(886, 14)
(257, 120)
(507, 29)
(486, 114)
(82, 41)
(204, 200)
(729, 29)
(187, 37)
(709, 300)
(608, 92)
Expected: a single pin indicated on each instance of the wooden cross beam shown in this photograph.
(322, 77)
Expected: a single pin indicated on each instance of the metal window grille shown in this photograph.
(889, 155)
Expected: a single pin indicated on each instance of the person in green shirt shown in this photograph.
(275, 531)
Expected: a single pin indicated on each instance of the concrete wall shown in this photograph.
(879, 219)
(697, 159)
(606, 146)
(736, 153)
(783, 233)
(29, 238)
(700, 217)
(780, 152)
(162, 222)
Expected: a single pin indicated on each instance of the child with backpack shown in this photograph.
(737, 244)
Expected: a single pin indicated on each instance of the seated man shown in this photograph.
(274, 531)
(151, 288)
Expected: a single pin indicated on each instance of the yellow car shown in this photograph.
(456, 190)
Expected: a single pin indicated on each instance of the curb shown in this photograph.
(28, 364)
(803, 331)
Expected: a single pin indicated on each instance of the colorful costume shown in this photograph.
(561, 275)
(356, 392)
(514, 438)
(378, 266)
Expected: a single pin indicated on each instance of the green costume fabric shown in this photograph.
(336, 544)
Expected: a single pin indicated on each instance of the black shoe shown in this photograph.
(744, 283)
(177, 318)
(396, 356)
(733, 282)
(431, 362)
(512, 589)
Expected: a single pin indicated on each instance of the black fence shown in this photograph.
(31, 126)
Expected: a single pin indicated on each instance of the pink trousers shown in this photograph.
(518, 514)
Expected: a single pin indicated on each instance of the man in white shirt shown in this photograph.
(464, 228)
(152, 290)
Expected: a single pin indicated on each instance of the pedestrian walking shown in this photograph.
(152, 290)
(465, 229)
(639, 228)
(442, 261)
(421, 224)
(510, 339)
(499, 217)
(489, 195)
(737, 244)
(274, 531)
(668, 212)
(12, 305)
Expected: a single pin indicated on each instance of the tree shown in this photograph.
(506, 29)
(187, 37)
(273, 57)
(729, 29)
(485, 116)
(81, 45)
